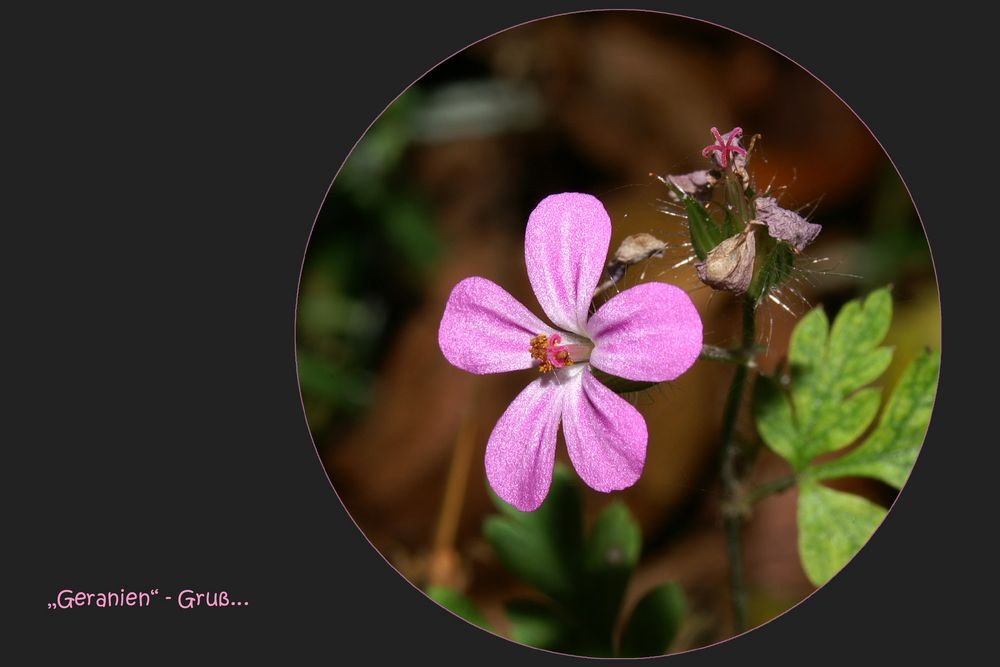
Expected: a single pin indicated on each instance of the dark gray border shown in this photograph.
(169, 165)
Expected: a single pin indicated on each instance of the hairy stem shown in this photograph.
(730, 483)
(724, 354)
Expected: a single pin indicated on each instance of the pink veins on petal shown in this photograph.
(725, 145)
(651, 332)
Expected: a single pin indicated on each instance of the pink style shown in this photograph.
(724, 146)
(649, 333)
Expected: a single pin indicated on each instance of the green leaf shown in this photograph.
(808, 341)
(654, 622)
(889, 452)
(825, 408)
(843, 423)
(867, 367)
(833, 526)
(536, 624)
(458, 604)
(542, 548)
(705, 234)
(610, 555)
(824, 373)
(772, 413)
(859, 327)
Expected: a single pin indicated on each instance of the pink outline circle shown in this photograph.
(393, 101)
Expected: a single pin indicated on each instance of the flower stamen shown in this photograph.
(548, 351)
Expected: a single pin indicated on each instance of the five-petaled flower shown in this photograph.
(724, 145)
(649, 333)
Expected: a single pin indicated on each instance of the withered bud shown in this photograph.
(634, 249)
(697, 184)
(637, 248)
(729, 265)
(785, 225)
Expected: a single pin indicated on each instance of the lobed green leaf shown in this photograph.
(890, 451)
(859, 327)
(825, 408)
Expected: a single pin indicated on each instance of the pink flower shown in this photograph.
(651, 332)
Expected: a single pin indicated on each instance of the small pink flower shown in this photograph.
(724, 145)
(651, 332)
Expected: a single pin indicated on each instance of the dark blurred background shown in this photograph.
(440, 188)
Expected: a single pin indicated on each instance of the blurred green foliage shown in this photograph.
(372, 245)
(581, 581)
(895, 245)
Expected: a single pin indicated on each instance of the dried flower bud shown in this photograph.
(729, 265)
(697, 184)
(634, 249)
(637, 248)
(785, 225)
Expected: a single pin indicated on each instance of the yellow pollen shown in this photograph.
(540, 350)
(537, 348)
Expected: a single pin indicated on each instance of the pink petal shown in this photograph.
(650, 332)
(522, 447)
(565, 246)
(486, 330)
(605, 435)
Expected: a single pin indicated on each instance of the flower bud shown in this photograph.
(637, 248)
(697, 184)
(729, 265)
(634, 249)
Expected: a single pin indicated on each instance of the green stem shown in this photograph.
(749, 315)
(730, 483)
(769, 489)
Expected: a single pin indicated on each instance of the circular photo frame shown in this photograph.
(618, 334)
